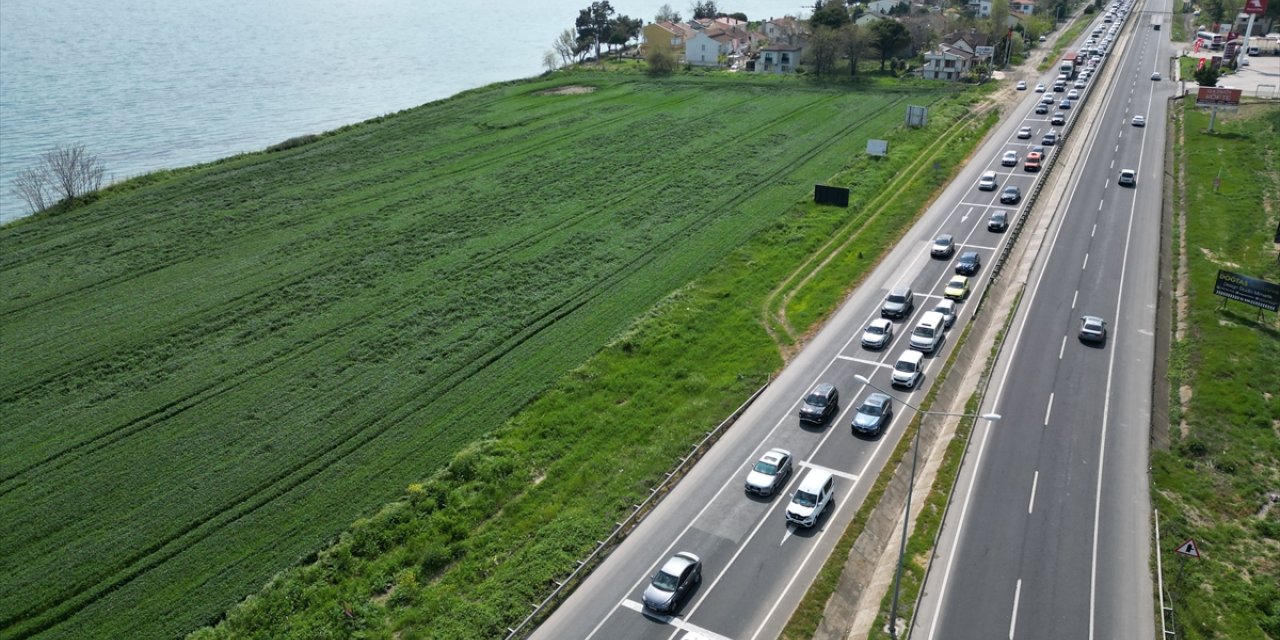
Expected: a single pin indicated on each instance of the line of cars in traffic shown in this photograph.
(770, 474)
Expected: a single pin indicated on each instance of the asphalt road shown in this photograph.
(1051, 535)
(756, 566)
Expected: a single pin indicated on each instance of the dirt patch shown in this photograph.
(567, 90)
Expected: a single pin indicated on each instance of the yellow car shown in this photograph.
(957, 288)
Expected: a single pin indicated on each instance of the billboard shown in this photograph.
(1254, 7)
(823, 194)
(1217, 97)
(984, 51)
(1251, 291)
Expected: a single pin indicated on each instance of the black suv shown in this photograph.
(898, 304)
(968, 263)
(821, 403)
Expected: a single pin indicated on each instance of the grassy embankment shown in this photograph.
(1213, 483)
(465, 553)
(210, 372)
(1064, 40)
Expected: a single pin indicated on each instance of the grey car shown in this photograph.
(673, 582)
(943, 246)
(1093, 329)
(879, 333)
(873, 416)
(821, 403)
(999, 220)
(770, 472)
(898, 304)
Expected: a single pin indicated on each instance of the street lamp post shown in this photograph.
(906, 511)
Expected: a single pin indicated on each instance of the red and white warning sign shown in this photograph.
(1188, 548)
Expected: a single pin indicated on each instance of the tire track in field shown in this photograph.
(258, 497)
(94, 230)
(265, 298)
(237, 303)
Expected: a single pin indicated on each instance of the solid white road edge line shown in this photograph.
(1013, 622)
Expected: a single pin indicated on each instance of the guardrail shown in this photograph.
(1047, 164)
(638, 513)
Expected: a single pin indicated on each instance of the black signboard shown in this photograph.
(1252, 291)
(838, 196)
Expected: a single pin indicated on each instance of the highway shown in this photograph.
(1051, 534)
(757, 566)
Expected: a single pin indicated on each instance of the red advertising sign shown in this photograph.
(1219, 96)
(1255, 7)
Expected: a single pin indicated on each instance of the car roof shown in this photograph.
(775, 454)
(968, 255)
(678, 562)
(881, 322)
(902, 291)
(814, 480)
(911, 355)
(877, 399)
(946, 236)
(1092, 319)
(957, 278)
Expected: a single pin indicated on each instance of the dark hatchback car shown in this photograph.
(673, 582)
(1010, 195)
(898, 304)
(968, 263)
(821, 403)
(873, 415)
(999, 221)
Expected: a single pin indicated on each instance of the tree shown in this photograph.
(888, 37)
(705, 9)
(1207, 76)
(667, 14)
(831, 14)
(999, 19)
(593, 24)
(622, 30)
(821, 51)
(549, 60)
(853, 44)
(64, 174)
(661, 57)
(566, 46)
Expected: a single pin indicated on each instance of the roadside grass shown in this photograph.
(465, 553)
(1213, 484)
(1179, 21)
(212, 372)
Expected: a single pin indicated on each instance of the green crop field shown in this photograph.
(209, 374)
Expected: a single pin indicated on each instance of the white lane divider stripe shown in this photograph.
(673, 621)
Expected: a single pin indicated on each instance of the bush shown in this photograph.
(296, 141)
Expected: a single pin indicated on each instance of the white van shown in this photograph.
(909, 370)
(811, 499)
(928, 332)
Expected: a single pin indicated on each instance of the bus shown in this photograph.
(1211, 39)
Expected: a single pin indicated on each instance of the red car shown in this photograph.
(1032, 163)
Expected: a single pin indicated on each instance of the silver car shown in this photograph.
(770, 472)
(673, 582)
(1093, 329)
(878, 334)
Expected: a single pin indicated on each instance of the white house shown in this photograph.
(778, 58)
(955, 57)
(786, 29)
(883, 6)
(1025, 8)
(870, 17)
(702, 50)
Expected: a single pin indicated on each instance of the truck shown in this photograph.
(1070, 63)
(1155, 22)
(1267, 46)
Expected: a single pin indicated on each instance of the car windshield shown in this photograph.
(870, 409)
(665, 581)
(875, 329)
(805, 499)
(816, 399)
(767, 468)
(905, 366)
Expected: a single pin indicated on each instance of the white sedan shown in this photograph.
(1139, 121)
(1039, 88)
(878, 334)
(1022, 85)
